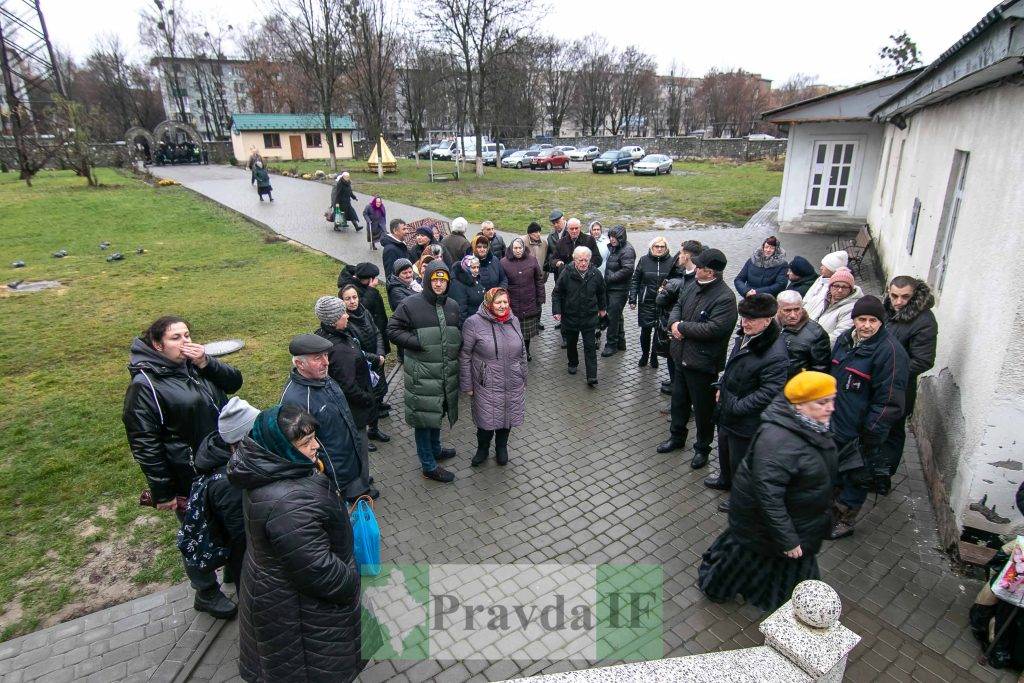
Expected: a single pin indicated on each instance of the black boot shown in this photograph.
(643, 361)
(215, 603)
(501, 446)
(700, 459)
(480, 457)
(672, 444)
(483, 447)
(377, 435)
(654, 360)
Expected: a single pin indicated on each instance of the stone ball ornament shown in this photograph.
(816, 604)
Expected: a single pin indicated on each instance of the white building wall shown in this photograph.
(800, 152)
(980, 324)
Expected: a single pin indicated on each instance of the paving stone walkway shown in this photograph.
(583, 485)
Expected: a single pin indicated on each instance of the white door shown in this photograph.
(831, 171)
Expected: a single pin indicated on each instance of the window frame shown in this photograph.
(309, 138)
(268, 141)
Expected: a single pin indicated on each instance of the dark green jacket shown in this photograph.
(426, 326)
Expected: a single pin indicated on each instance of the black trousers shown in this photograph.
(616, 327)
(483, 438)
(732, 448)
(692, 390)
(589, 349)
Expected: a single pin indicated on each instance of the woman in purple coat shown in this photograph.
(492, 370)
(525, 288)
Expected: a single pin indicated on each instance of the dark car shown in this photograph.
(550, 158)
(612, 161)
(423, 152)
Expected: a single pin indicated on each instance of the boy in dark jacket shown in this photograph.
(579, 301)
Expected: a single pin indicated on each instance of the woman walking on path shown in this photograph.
(652, 271)
(525, 288)
(765, 271)
(492, 370)
(342, 197)
(376, 217)
(300, 613)
(781, 497)
(371, 341)
(261, 179)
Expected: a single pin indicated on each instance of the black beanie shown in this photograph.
(802, 267)
(758, 306)
(868, 305)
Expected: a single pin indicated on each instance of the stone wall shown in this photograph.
(116, 154)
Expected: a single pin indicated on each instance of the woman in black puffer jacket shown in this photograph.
(371, 340)
(299, 605)
(781, 498)
(653, 269)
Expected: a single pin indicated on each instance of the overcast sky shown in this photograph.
(837, 41)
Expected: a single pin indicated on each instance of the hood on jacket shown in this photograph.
(782, 413)
(212, 453)
(144, 357)
(777, 259)
(619, 233)
(252, 466)
(428, 290)
(920, 301)
(802, 267)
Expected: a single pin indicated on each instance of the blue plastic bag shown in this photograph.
(366, 536)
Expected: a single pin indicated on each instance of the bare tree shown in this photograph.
(481, 32)
(594, 84)
(420, 71)
(273, 83)
(116, 93)
(160, 29)
(559, 65)
(518, 87)
(310, 31)
(675, 93)
(632, 68)
(730, 101)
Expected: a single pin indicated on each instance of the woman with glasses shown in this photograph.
(833, 312)
(653, 269)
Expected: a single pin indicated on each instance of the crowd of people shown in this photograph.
(804, 380)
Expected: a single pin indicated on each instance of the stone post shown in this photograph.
(806, 630)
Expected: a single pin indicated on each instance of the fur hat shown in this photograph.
(758, 306)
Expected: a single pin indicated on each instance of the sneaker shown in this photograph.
(446, 454)
(440, 474)
(608, 351)
(215, 603)
(572, 369)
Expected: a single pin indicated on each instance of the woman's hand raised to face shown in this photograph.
(195, 353)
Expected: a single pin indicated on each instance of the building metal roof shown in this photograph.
(774, 114)
(272, 122)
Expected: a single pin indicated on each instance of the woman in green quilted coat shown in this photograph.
(426, 327)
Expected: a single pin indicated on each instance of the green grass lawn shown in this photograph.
(705, 192)
(69, 487)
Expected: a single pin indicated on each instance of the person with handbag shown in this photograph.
(299, 605)
(376, 217)
(781, 495)
(653, 270)
(173, 401)
(342, 197)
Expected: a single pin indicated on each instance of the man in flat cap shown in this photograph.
(701, 323)
(310, 387)
(558, 222)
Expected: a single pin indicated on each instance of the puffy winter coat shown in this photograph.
(834, 318)
(872, 385)
(578, 297)
(397, 292)
(497, 247)
(261, 178)
(618, 269)
(455, 246)
(337, 432)
(347, 366)
(224, 499)
(525, 284)
(815, 294)
(808, 346)
(707, 315)
(466, 291)
(370, 299)
(426, 325)
(492, 364)
(763, 275)
(667, 297)
(917, 330)
(782, 492)
(491, 274)
(754, 375)
(364, 329)
(168, 411)
(392, 249)
(566, 245)
(650, 272)
(299, 607)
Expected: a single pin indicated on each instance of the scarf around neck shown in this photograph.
(266, 433)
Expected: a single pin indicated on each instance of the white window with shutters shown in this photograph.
(832, 172)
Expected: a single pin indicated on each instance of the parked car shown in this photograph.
(538, 146)
(549, 159)
(637, 153)
(566, 149)
(447, 151)
(492, 152)
(585, 153)
(653, 164)
(612, 161)
(423, 152)
(699, 133)
(761, 136)
(519, 159)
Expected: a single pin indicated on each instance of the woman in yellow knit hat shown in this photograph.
(781, 500)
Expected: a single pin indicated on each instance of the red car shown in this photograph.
(549, 159)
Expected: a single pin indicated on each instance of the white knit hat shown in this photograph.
(236, 420)
(460, 225)
(835, 260)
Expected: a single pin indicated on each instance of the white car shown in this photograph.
(761, 136)
(519, 159)
(585, 153)
(653, 164)
(637, 153)
(447, 151)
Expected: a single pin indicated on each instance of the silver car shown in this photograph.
(653, 164)
(588, 153)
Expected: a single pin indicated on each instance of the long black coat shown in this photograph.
(618, 268)
(552, 240)
(392, 249)
(650, 272)
(370, 298)
(754, 375)
(782, 492)
(808, 347)
(347, 366)
(343, 195)
(168, 410)
(299, 608)
(366, 332)
(566, 245)
(707, 315)
(578, 297)
(917, 330)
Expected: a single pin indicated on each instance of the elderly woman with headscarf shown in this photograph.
(596, 231)
(491, 273)
(376, 219)
(653, 270)
(342, 197)
(765, 271)
(261, 179)
(465, 288)
(492, 370)
(781, 498)
(525, 288)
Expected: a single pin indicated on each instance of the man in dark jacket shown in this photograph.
(310, 387)
(495, 242)
(754, 375)
(574, 237)
(426, 327)
(455, 245)
(800, 276)
(871, 369)
(806, 341)
(394, 246)
(700, 323)
(580, 300)
(558, 221)
(618, 271)
(364, 278)
(342, 197)
(909, 306)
